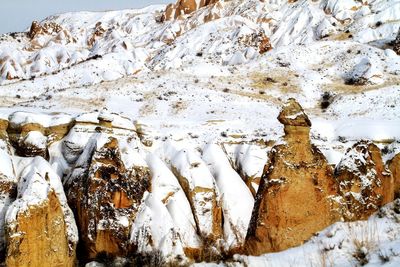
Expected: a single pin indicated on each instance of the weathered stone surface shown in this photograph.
(105, 197)
(185, 7)
(293, 200)
(396, 45)
(363, 181)
(394, 166)
(40, 227)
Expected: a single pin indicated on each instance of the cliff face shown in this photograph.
(105, 197)
(364, 182)
(40, 227)
(297, 172)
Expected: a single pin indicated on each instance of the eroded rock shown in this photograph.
(394, 166)
(40, 227)
(396, 45)
(364, 182)
(105, 196)
(293, 200)
(185, 7)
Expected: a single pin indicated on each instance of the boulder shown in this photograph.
(105, 195)
(364, 182)
(294, 197)
(40, 227)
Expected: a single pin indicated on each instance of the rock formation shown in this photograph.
(48, 28)
(40, 227)
(185, 7)
(396, 44)
(32, 134)
(394, 166)
(297, 172)
(7, 182)
(363, 181)
(167, 205)
(105, 196)
(201, 191)
(236, 210)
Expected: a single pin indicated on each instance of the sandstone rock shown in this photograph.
(105, 195)
(185, 7)
(394, 166)
(293, 200)
(31, 134)
(363, 180)
(40, 227)
(98, 31)
(396, 44)
(50, 28)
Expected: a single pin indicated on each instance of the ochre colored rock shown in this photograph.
(394, 166)
(40, 227)
(50, 28)
(185, 7)
(32, 139)
(364, 182)
(105, 197)
(294, 198)
(98, 31)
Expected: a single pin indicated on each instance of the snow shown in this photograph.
(187, 83)
(236, 211)
(338, 244)
(36, 180)
(166, 189)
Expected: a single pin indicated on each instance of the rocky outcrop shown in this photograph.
(297, 172)
(396, 44)
(105, 196)
(40, 227)
(49, 28)
(185, 7)
(394, 166)
(32, 134)
(98, 31)
(364, 182)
